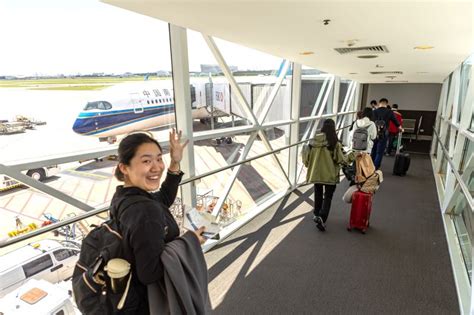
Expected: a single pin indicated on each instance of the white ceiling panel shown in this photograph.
(287, 28)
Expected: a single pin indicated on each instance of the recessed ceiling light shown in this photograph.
(422, 72)
(378, 66)
(353, 73)
(367, 56)
(306, 53)
(423, 47)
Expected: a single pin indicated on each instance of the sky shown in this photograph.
(50, 37)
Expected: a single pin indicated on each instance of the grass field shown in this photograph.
(74, 84)
(72, 87)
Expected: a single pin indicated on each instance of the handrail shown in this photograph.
(461, 183)
(7, 242)
(191, 179)
(51, 227)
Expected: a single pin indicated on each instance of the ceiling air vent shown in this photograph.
(362, 50)
(386, 72)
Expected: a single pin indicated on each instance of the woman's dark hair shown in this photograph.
(367, 112)
(128, 147)
(329, 129)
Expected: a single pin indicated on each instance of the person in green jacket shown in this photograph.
(323, 161)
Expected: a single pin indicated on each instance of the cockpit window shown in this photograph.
(102, 105)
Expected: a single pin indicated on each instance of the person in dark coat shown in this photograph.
(147, 225)
(382, 117)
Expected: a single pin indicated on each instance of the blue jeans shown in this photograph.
(378, 150)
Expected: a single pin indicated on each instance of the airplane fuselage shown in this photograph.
(125, 111)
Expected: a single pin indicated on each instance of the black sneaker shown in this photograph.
(320, 224)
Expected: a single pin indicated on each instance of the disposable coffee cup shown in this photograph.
(118, 270)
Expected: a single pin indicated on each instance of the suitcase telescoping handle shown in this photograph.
(399, 141)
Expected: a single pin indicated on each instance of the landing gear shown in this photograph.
(109, 140)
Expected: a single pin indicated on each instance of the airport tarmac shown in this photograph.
(93, 182)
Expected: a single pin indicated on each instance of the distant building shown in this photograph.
(311, 72)
(163, 73)
(215, 68)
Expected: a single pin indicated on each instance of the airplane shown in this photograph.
(127, 107)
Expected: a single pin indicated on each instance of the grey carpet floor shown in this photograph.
(280, 263)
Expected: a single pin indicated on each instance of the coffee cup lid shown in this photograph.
(118, 268)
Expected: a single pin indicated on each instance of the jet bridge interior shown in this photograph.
(416, 257)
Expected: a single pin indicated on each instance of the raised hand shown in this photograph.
(176, 148)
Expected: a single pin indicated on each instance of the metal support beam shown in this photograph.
(267, 144)
(44, 188)
(315, 107)
(182, 96)
(235, 172)
(273, 93)
(233, 84)
(294, 128)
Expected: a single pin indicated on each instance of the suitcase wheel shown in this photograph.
(349, 229)
(363, 231)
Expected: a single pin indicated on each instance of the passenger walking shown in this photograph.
(373, 104)
(393, 130)
(147, 224)
(323, 162)
(363, 133)
(382, 116)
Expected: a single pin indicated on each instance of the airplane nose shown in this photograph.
(79, 127)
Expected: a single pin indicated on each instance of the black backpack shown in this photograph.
(381, 123)
(90, 283)
(381, 127)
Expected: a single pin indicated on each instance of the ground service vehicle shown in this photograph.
(39, 174)
(38, 297)
(49, 260)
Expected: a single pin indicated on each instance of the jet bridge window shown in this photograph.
(102, 105)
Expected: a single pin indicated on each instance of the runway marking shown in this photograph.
(62, 211)
(106, 195)
(90, 192)
(20, 214)
(27, 200)
(85, 174)
(66, 204)
(52, 198)
(9, 200)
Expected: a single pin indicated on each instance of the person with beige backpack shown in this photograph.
(367, 179)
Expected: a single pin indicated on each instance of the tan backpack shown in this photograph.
(364, 167)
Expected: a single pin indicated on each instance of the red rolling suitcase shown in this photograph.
(360, 211)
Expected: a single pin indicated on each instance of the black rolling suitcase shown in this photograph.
(402, 160)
